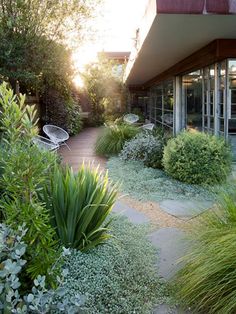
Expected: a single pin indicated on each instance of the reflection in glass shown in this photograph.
(192, 88)
(164, 97)
(232, 86)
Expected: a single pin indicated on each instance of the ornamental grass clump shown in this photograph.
(146, 148)
(207, 282)
(80, 204)
(197, 158)
(113, 138)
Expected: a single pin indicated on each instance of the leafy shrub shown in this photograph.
(197, 158)
(119, 276)
(62, 110)
(207, 282)
(113, 138)
(40, 299)
(146, 148)
(25, 168)
(74, 120)
(79, 205)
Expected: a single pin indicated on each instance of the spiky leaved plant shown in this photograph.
(79, 205)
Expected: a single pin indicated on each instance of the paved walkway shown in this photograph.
(82, 149)
(169, 241)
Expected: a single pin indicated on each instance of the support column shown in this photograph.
(178, 110)
(216, 101)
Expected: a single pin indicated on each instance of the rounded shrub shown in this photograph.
(198, 158)
(146, 148)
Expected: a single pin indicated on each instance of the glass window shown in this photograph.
(192, 89)
(164, 104)
(232, 87)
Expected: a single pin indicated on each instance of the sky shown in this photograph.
(116, 29)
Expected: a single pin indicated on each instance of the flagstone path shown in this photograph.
(169, 240)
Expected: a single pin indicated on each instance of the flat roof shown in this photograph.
(167, 38)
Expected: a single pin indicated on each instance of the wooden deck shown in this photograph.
(82, 150)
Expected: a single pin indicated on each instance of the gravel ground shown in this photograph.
(152, 210)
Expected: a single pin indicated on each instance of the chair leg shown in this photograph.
(66, 145)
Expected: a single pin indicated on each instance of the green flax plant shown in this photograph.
(79, 205)
(24, 168)
(207, 281)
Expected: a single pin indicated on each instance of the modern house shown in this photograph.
(182, 70)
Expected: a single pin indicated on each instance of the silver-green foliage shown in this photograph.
(12, 248)
(150, 184)
(198, 158)
(40, 300)
(79, 205)
(146, 148)
(120, 276)
(207, 282)
(113, 138)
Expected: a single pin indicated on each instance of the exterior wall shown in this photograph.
(215, 51)
(218, 101)
(196, 6)
(180, 6)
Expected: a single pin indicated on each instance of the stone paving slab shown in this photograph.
(172, 245)
(166, 309)
(132, 214)
(185, 209)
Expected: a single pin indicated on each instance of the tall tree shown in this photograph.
(106, 91)
(32, 30)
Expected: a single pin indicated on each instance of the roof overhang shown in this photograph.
(170, 38)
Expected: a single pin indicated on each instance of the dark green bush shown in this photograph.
(113, 138)
(61, 110)
(24, 169)
(197, 158)
(79, 205)
(207, 282)
(74, 120)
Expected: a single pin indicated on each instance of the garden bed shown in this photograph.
(148, 184)
(119, 276)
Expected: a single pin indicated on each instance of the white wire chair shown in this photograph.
(131, 118)
(148, 126)
(56, 134)
(44, 143)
